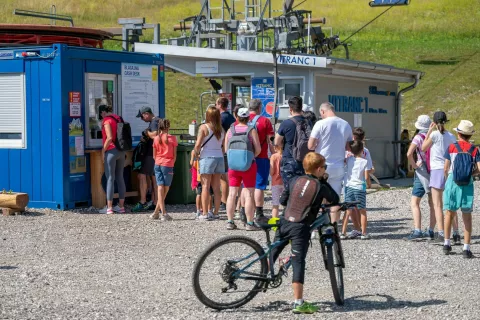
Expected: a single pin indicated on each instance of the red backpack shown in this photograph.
(427, 153)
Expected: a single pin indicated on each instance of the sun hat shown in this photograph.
(423, 122)
(465, 127)
(243, 113)
(440, 117)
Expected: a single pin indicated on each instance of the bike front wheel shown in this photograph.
(230, 273)
(334, 266)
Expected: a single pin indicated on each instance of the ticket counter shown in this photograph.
(50, 134)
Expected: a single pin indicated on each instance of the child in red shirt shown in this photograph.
(165, 154)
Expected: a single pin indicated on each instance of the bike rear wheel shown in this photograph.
(217, 276)
(334, 266)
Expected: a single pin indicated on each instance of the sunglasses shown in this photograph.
(324, 167)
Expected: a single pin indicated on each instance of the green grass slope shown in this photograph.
(439, 37)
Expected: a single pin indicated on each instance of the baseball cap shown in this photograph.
(243, 113)
(440, 117)
(144, 110)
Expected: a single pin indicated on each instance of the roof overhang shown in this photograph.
(334, 66)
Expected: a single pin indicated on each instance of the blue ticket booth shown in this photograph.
(49, 126)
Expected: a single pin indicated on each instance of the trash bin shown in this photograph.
(180, 191)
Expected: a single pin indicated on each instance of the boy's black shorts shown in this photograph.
(299, 235)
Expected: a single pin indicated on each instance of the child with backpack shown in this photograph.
(302, 198)
(277, 182)
(242, 145)
(421, 179)
(165, 154)
(461, 160)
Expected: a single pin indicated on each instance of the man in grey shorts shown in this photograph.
(148, 163)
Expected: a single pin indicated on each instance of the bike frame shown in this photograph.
(327, 232)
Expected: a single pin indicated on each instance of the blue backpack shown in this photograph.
(463, 166)
(240, 154)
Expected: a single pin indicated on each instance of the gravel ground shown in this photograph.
(89, 266)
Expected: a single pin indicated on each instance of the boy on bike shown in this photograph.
(302, 199)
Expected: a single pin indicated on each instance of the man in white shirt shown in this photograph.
(330, 138)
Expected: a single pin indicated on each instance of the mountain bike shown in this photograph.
(234, 269)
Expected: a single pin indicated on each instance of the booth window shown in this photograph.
(101, 90)
(292, 90)
(12, 111)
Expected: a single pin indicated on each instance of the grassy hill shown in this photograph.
(439, 37)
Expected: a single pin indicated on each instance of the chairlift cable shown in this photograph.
(385, 11)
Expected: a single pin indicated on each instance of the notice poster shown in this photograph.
(264, 89)
(139, 89)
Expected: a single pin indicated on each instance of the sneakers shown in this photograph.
(213, 216)
(447, 249)
(365, 237)
(198, 214)
(155, 215)
(314, 235)
(231, 225)
(166, 217)
(223, 207)
(203, 218)
(252, 227)
(438, 239)
(305, 307)
(428, 234)
(456, 239)
(354, 234)
(261, 219)
(139, 207)
(150, 206)
(467, 254)
(343, 236)
(243, 216)
(115, 209)
(414, 236)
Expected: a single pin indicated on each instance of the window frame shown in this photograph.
(18, 143)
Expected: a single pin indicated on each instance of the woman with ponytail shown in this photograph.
(438, 142)
(165, 154)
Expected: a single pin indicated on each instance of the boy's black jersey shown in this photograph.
(325, 192)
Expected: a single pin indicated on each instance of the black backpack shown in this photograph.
(123, 142)
(300, 142)
(302, 195)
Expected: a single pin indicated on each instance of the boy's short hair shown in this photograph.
(464, 136)
(356, 146)
(313, 161)
(359, 133)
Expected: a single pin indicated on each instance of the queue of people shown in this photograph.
(236, 156)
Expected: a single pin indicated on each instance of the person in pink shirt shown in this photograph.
(165, 154)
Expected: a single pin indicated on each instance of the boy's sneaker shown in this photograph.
(252, 227)
(437, 239)
(467, 254)
(354, 234)
(166, 217)
(447, 249)
(414, 236)
(139, 207)
(429, 234)
(305, 307)
(456, 239)
(231, 226)
(365, 237)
